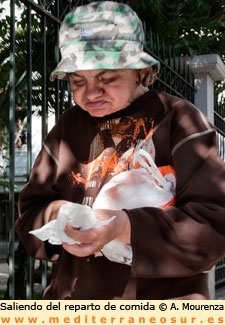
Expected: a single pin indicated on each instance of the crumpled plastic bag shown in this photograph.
(82, 217)
(78, 215)
(145, 185)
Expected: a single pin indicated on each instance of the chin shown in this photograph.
(95, 114)
(98, 113)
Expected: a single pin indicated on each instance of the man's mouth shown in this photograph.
(96, 104)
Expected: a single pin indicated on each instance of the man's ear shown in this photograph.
(142, 74)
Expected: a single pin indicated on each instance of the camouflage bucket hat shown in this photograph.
(101, 35)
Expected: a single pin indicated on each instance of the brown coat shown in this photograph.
(173, 248)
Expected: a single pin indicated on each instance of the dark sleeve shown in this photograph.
(37, 194)
(187, 238)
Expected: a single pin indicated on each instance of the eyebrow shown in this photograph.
(75, 74)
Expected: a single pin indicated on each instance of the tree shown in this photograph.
(189, 27)
(21, 61)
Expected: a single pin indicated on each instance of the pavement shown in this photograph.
(220, 293)
(4, 274)
(4, 271)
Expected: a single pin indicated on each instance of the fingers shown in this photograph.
(80, 250)
(84, 237)
(95, 239)
(90, 241)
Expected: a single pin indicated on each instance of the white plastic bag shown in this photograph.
(78, 215)
(134, 188)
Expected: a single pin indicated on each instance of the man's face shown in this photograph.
(102, 92)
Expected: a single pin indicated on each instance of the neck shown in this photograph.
(141, 90)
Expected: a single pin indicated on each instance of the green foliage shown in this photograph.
(4, 159)
(21, 63)
(191, 27)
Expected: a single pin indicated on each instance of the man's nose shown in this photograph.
(93, 90)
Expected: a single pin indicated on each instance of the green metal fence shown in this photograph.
(34, 79)
(41, 54)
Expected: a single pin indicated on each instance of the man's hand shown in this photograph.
(93, 240)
